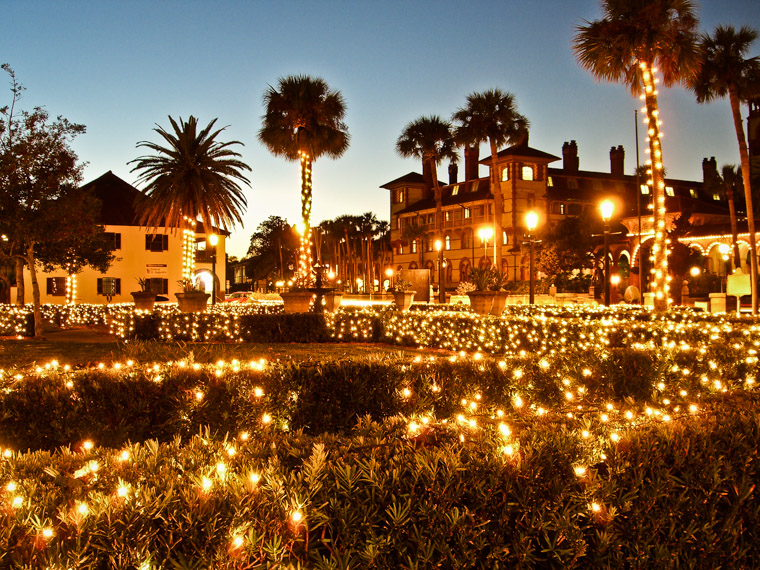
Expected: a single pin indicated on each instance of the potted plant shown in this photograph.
(481, 299)
(297, 299)
(192, 299)
(499, 279)
(403, 294)
(144, 298)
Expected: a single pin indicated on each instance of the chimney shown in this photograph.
(617, 161)
(570, 157)
(471, 159)
(709, 171)
(453, 171)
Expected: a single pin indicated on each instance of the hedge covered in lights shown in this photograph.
(663, 495)
(597, 439)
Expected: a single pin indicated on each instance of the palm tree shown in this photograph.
(303, 121)
(430, 139)
(195, 175)
(731, 180)
(625, 46)
(727, 71)
(492, 117)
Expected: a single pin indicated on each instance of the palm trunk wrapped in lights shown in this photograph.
(71, 288)
(188, 250)
(303, 278)
(659, 249)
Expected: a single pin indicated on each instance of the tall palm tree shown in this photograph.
(492, 117)
(195, 175)
(304, 121)
(430, 139)
(727, 71)
(625, 46)
(732, 180)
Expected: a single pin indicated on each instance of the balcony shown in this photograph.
(204, 255)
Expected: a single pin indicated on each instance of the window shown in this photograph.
(414, 246)
(56, 286)
(550, 183)
(398, 223)
(504, 238)
(158, 285)
(448, 242)
(400, 249)
(692, 193)
(447, 216)
(109, 286)
(527, 173)
(572, 183)
(431, 219)
(716, 197)
(669, 191)
(474, 187)
(158, 242)
(645, 189)
(400, 194)
(113, 239)
(467, 213)
(505, 174)
(455, 190)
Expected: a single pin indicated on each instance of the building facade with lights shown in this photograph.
(529, 182)
(155, 254)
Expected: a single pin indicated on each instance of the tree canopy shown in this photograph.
(194, 175)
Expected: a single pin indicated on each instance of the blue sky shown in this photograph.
(120, 68)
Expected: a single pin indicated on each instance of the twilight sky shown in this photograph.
(121, 67)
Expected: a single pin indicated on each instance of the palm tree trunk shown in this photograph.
(19, 266)
(734, 230)
(35, 290)
(304, 257)
(744, 157)
(661, 287)
(498, 207)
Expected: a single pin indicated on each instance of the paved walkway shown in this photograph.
(97, 334)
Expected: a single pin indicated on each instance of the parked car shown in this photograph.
(237, 297)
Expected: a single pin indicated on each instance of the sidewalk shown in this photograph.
(97, 334)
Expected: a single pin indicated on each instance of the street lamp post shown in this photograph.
(531, 221)
(441, 289)
(606, 208)
(213, 240)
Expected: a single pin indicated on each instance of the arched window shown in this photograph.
(527, 173)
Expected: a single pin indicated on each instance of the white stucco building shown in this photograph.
(150, 253)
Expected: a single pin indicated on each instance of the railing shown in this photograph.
(204, 255)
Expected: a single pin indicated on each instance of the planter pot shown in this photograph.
(144, 300)
(481, 301)
(403, 299)
(297, 301)
(332, 301)
(192, 302)
(499, 302)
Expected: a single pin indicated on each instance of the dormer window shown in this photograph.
(474, 187)
(400, 195)
(645, 189)
(527, 173)
(692, 192)
(455, 190)
(669, 191)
